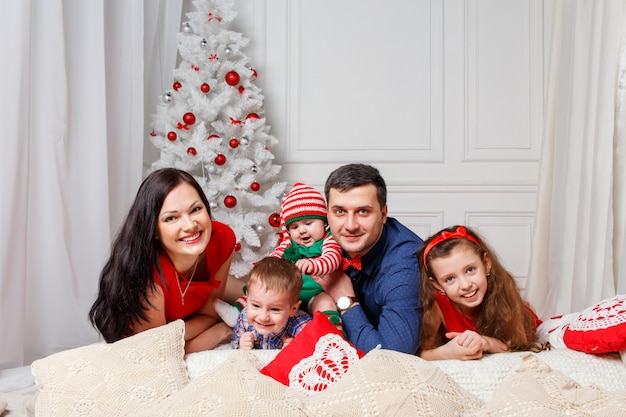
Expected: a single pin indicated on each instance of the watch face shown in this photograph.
(344, 302)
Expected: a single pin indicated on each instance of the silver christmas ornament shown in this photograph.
(244, 141)
(211, 168)
(203, 43)
(186, 27)
(227, 51)
(167, 97)
(259, 228)
(212, 205)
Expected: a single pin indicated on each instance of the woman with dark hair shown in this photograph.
(169, 261)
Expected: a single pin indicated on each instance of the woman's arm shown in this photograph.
(155, 311)
(201, 331)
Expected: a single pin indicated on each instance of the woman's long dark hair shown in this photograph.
(503, 314)
(127, 277)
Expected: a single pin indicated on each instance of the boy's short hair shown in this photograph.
(277, 274)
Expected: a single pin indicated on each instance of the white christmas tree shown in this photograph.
(210, 124)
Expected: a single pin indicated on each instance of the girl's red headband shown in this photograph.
(459, 233)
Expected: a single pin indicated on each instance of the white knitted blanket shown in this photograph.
(147, 375)
(480, 377)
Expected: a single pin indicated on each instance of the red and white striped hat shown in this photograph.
(302, 202)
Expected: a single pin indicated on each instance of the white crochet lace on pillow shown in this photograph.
(112, 379)
(331, 359)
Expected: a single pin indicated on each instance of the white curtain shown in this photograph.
(620, 156)
(72, 150)
(579, 229)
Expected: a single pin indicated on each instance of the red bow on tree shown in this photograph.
(354, 263)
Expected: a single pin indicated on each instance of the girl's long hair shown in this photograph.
(126, 280)
(503, 314)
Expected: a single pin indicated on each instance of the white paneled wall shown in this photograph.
(445, 98)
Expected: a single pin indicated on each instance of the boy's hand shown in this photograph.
(246, 341)
(286, 341)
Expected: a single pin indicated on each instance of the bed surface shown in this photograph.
(479, 377)
(149, 375)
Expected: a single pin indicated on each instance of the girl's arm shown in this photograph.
(494, 345)
(463, 346)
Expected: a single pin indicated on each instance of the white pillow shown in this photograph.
(113, 379)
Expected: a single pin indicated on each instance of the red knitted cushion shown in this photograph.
(600, 328)
(316, 358)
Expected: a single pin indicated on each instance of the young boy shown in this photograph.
(270, 319)
(306, 242)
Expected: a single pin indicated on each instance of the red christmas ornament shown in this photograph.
(152, 133)
(192, 151)
(220, 159)
(237, 247)
(241, 89)
(171, 136)
(253, 116)
(255, 186)
(274, 219)
(234, 142)
(213, 136)
(205, 88)
(230, 201)
(189, 118)
(232, 78)
(176, 85)
(254, 73)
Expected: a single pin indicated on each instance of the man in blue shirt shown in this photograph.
(377, 289)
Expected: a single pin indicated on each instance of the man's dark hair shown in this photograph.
(349, 176)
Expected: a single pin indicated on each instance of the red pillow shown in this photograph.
(600, 328)
(316, 358)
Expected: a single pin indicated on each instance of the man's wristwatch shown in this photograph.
(345, 302)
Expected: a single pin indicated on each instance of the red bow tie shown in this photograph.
(354, 263)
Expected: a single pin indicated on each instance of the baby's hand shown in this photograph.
(305, 266)
(467, 345)
(246, 341)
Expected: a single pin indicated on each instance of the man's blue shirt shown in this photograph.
(388, 290)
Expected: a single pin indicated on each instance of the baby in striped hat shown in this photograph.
(306, 242)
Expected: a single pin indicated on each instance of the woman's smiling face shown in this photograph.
(184, 225)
